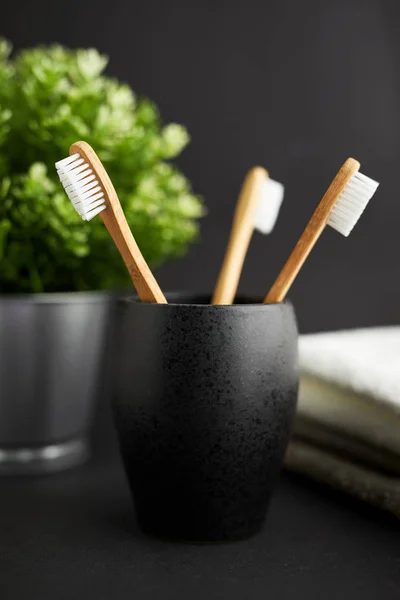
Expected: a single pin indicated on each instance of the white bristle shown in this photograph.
(66, 161)
(268, 207)
(81, 186)
(351, 203)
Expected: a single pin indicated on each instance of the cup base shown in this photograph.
(39, 460)
(202, 542)
(178, 535)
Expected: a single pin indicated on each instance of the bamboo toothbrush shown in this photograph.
(257, 208)
(90, 190)
(341, 207)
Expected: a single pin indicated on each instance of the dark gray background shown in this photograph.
(294, 85)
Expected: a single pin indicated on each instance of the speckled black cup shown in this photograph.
(204, 401)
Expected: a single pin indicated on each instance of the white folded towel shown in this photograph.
(365, 361)
(349, 407)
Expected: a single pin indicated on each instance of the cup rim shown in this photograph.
(56, 298)
(248, 301)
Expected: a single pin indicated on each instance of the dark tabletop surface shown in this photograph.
(74, 535)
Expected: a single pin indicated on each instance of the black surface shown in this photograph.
(75, 535)
(204, 403)
(295, 85)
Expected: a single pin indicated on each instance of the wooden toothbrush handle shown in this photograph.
(143, 279)
(310, 235)
(114, 219)
(240, 236)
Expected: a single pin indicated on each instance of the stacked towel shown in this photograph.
(347, 429)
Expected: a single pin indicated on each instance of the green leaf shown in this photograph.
(90, 63)
(5, 227)
(5, 49)
(175, 138)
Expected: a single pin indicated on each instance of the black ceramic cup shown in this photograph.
(204, 401)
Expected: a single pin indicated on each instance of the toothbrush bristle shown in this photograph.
(81, 186)
(269, 206)
(351, 203)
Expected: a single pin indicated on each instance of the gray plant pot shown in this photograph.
(51, 355)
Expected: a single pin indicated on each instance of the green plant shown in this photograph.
(49, 98)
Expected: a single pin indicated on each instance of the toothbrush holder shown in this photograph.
(204, 403)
